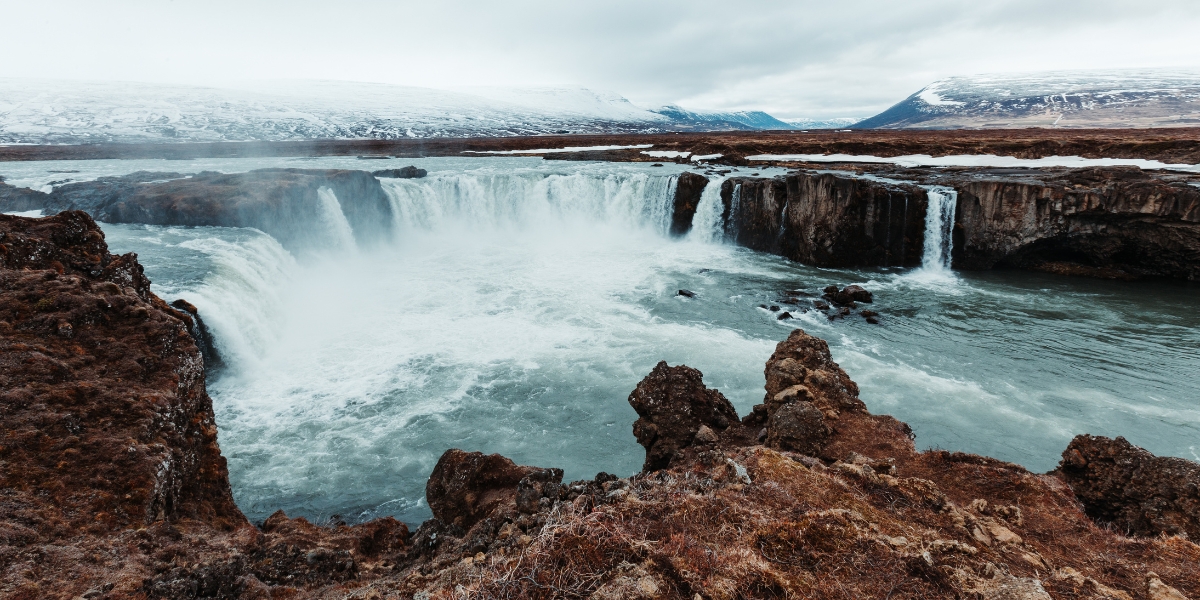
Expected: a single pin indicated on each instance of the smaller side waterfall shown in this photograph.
(709, 223)
(939, 228)
(339, 230)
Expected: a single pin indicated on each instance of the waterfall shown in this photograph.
(337, 227)
(709, 224)
(735, 205)
(523, 200)
(939, 228)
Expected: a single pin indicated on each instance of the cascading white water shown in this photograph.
(337, 228)
(939, 229)
(531, 200)
(708, 225)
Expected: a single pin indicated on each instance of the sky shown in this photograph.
(791, 59)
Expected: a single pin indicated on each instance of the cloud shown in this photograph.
(793, 59)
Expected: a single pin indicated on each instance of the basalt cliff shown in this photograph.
(1113, 222)
(113, 485)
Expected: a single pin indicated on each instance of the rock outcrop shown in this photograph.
(467, 486)
(106, 422)
(673, 407)
(827, 220)
(1131, 488)
(1114, 221)
(688, 188)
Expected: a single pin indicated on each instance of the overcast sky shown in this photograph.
(792, 59)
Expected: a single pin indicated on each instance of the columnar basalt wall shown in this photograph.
(688, 188)
(1116, 222)
(827, 220)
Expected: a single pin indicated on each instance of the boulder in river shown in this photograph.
(409, 172)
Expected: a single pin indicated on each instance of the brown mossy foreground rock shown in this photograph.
(1134, 490)
(837, 503)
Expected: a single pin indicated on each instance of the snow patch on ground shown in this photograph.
(980, 160)
(666, 153)
(557, 150)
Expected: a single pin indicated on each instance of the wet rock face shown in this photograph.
(200, 332)
(688, 188)
(827, 220)
(467, 486)
(672, 405)
(1112, 222)
(1127, 486)
(106, 422)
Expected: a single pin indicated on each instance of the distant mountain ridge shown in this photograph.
(73, 112)
(717, 121)
(1055, 99)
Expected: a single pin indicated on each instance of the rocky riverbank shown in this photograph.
(114, 486)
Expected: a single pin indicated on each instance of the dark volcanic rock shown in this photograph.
(803, 383)
(1127, 486)
(200, 332)
(102, 388)
(826, 220)
(1115, 222)
(672, 404)
(686, 293)
(409, 172)
(688, 188)
(14, 199)
(466, 486)
(858, 294)
(798, 426)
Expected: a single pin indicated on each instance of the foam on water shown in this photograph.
(519, 304)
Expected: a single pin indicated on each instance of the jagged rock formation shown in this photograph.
(285, 203)
(1131, 488)
(826, 220)
(1116, 221)
(676, 411)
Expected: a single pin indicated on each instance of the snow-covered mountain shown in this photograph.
(52, 111)
(1056, 99)
(720, 121)
(840, 123)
